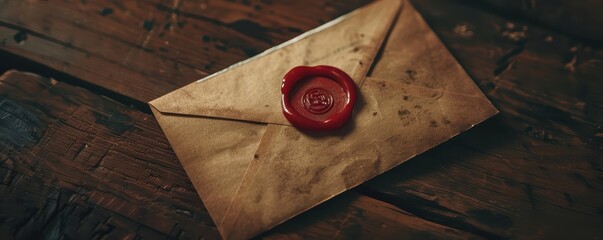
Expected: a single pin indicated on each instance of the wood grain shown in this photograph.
(89, 167)
(532, 172)
(577, 18)
(158, 45)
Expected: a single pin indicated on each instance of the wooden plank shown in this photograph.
(79, 166)
(523, 174)
(354, 216)
(534, 171)
(144, 49)
(578, 18)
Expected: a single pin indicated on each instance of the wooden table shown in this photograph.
(82, 157)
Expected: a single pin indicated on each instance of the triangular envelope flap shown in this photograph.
(250, 90)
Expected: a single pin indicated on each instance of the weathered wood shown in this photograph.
(80, 166)
(354, 216)
(534, 171)
(144, 49)
(579, 18)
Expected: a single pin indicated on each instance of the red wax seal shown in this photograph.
(318, 98)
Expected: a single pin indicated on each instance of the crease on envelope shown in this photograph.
(415, 87)
(214, 153)
(251, 91)
(253, 176)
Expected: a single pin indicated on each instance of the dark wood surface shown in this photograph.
(81, 157)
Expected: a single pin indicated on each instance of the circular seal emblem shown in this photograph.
(317, 100)
(322, 105)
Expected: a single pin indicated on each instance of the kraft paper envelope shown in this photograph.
(253, 170)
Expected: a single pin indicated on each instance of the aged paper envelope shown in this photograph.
(253, 170)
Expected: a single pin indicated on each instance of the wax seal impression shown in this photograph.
(318, 98)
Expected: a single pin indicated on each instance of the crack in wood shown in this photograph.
(430, 211)
(506, 62)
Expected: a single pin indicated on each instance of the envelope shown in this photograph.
(253, 170)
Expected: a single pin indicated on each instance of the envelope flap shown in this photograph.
(250, 90)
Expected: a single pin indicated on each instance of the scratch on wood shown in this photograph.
(568, 198)
(18, 126)
(174, 13)
(530, 193)
(571, 65)
(506, 62)
(583, 180)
